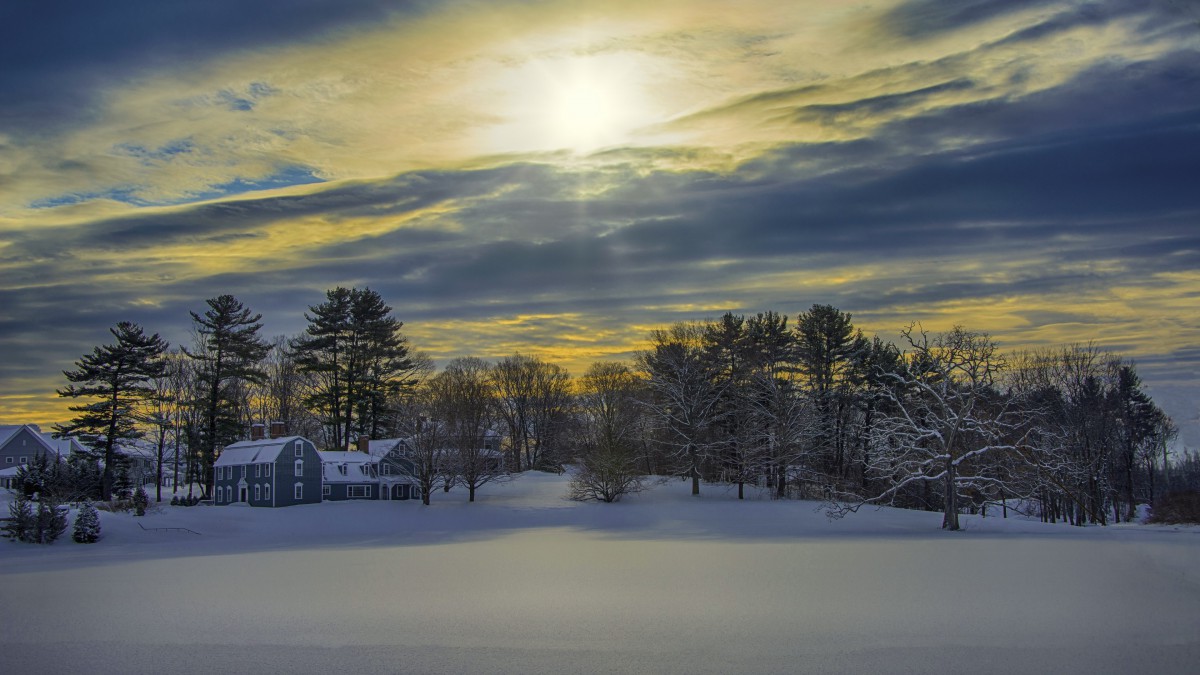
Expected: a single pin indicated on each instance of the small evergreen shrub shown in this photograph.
(40, 525)
(87, 524)
(174, 500)
(1176, 508)
(140, 501)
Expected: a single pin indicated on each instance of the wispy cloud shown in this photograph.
(1022, 167)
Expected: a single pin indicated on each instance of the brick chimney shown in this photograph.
(257, 431)
(278, 430)
(364, 444)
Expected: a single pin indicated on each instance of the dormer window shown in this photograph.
(342, 469)
(299, 449)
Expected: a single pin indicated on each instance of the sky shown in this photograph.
(559, 177)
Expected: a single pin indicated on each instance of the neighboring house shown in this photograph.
(393, 466)
(348, 475)
(268, 472)
(20, 444)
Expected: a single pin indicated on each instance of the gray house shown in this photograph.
(268, 472)
(20, 444)
(394, 467)
(348, 475)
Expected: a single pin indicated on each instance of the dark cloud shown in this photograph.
(59, 55)
(922, 19)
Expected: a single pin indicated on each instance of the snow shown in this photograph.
(526, 581)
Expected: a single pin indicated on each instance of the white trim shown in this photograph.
(298, 492)
(257, 492)
(364, 492)
(299, 467)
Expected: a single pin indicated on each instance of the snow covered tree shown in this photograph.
(35, 525)
(947, 420)
(827, 349)
(140, 501)
(118, 377)
(685, 394)
(605, 474)
(87, 524)
(228, 351)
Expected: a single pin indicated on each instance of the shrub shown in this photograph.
(1176, 507)
(40, 525)
(87, 524)
(605, 476)
(140, 501)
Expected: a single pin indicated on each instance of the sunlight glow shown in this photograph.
(575, 103)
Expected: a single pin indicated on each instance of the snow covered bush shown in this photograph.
(140, 501)
(87, 524)
(605, 476)
(40, 525)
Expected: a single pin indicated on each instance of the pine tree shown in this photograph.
(140, 501)
(87, 524)
(21, 520)
(228, 350)
(118, 377)
(360, 359)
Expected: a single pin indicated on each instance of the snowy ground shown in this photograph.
(525, 581)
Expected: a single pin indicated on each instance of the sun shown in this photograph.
(574, 103)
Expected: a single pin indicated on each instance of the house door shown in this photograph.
(241, 494)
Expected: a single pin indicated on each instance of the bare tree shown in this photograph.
(460, 399)
(533, 398)
(685, 393)
(947, 421)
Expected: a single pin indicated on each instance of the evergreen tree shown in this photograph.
(21, 520)
(140, 501)
(122, 487)
(87, 524)
(228, 351)
(41, 525)
(117, 376)
(360, 361)
(827, 346)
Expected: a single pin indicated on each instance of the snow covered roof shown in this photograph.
(7, 431)
(255, 452)
(60, 446)
(379, 447)
(339, 466)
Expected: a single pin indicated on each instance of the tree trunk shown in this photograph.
(950, 518)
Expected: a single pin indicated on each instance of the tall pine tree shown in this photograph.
(228, 350)
(359, 359)
(118, 378)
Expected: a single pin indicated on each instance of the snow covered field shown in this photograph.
(525, 581)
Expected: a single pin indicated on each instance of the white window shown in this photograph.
(258, 470)
(358, 491)
(341, 469)
(8, 460)
(299, 490)
(387, 469)
(267, 470)
(299, 467)
(257, 492)
(326, 490)
(299, 449)
(243, 471)
(24, 460)
(267, 491)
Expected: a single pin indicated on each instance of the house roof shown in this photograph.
(254, 452)
(358, 466)
(60, 446)
(380, 447)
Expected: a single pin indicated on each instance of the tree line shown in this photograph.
(814, 410)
